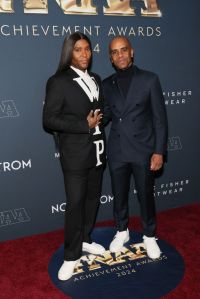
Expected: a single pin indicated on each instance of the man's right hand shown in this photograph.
(94, 118)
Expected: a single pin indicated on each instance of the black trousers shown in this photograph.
(144, 183)
(83, 191)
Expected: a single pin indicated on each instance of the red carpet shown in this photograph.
(24, 262)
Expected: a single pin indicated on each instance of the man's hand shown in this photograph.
(156, 162)
(94, 118)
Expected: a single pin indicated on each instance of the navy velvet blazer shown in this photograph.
(139, 123)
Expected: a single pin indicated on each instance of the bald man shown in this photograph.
(137, 141)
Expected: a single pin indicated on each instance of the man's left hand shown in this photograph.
(156, 162)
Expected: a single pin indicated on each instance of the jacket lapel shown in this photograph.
(134, 89)
(118, 96)
(83, 85)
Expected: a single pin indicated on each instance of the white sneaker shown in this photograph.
(119, 240)
(153, 251)
(67, 269)
(93, 248)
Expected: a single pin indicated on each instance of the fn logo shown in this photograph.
(174, 144)
(8, 109)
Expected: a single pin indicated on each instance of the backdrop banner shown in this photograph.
(164, 35)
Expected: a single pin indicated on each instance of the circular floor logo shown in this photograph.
(124, 275)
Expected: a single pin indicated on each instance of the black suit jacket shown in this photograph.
(65, 111)
(139, 125)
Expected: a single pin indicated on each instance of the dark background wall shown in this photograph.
(31, 184)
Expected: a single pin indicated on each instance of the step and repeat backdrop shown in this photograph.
(165, 36)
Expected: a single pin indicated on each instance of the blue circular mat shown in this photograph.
(125, 275)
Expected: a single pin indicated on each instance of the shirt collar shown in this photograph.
(79, 72)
